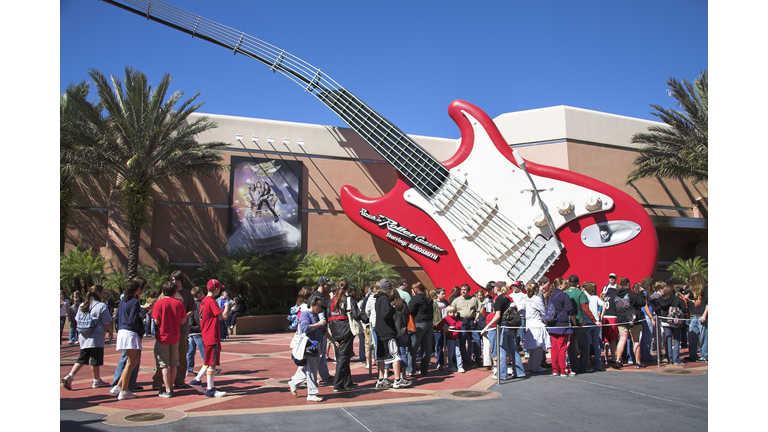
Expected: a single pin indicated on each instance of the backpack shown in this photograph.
(676, 317)
(549, 313)
(625, 312)
(86, 323)
(512, 317)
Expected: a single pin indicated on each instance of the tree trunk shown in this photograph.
(134, 239)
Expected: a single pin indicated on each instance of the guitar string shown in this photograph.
(314, 77)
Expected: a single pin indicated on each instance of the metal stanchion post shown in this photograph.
(498, 353)
(444, 349)
(658, 343)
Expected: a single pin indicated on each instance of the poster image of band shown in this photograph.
(265, 205)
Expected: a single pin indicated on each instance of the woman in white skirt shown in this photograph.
(129, 333)
(536, 336)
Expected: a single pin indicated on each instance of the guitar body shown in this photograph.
(404, 217)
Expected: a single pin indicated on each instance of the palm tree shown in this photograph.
(141, 140)
(313, 266)
(678, 150)
(74, 130)
(360, 271)
(80, 268)
(681, 269)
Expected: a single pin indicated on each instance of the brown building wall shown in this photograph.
(188, 223)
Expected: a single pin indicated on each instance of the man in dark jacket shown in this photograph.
(386, 346)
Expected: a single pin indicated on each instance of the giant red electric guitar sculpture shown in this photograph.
(485, 214)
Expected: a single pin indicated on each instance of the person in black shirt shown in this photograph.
(323, 291)
(422, 312)
(667, 301)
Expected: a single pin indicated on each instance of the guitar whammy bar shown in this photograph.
(480, 217)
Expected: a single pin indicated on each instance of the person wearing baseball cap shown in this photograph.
(611, 283)
(210, 312)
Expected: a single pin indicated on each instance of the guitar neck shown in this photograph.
(397, 148)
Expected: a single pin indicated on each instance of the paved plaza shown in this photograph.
(255, 370)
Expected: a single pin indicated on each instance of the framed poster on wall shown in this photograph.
(264, 205)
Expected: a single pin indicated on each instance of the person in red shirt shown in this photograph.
(452, 339)
(210, 312)
(168, 314)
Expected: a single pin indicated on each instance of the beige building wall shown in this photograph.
(188, 223)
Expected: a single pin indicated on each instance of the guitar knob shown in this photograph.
(538, 218)
(593, 202)
(564, 206)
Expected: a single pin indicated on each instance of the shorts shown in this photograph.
(128, 339)
(610, 332)
(166, 355)
(387, 350)
(94, 355)
(212, 355)
(634, 331)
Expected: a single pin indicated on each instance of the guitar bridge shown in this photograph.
(535, 260)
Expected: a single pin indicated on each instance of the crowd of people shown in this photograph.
(400, 328)
(182, 322)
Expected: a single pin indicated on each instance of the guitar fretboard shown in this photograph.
(408, 158)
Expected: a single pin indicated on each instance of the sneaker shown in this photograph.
(383, 383)
(571, 374)
(66, 382)
(440, 367)
(165, 394)
(453, 369)
(352, 387)
(461, 370)
(367, 366)
(126, 395)
(402, 382)
(115, 390)
(197, 385)
(214, 393)
(218, 371)
(555, 374)
(564, 375)
(314, 398)
(293, 387)
(100, 383)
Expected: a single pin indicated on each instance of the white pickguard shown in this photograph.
(500, 183)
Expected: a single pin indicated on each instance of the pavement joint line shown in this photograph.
(641, 394)
(311, 406)
(204, 403)
(353, 418)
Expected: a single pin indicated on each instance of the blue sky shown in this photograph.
(407, 59)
